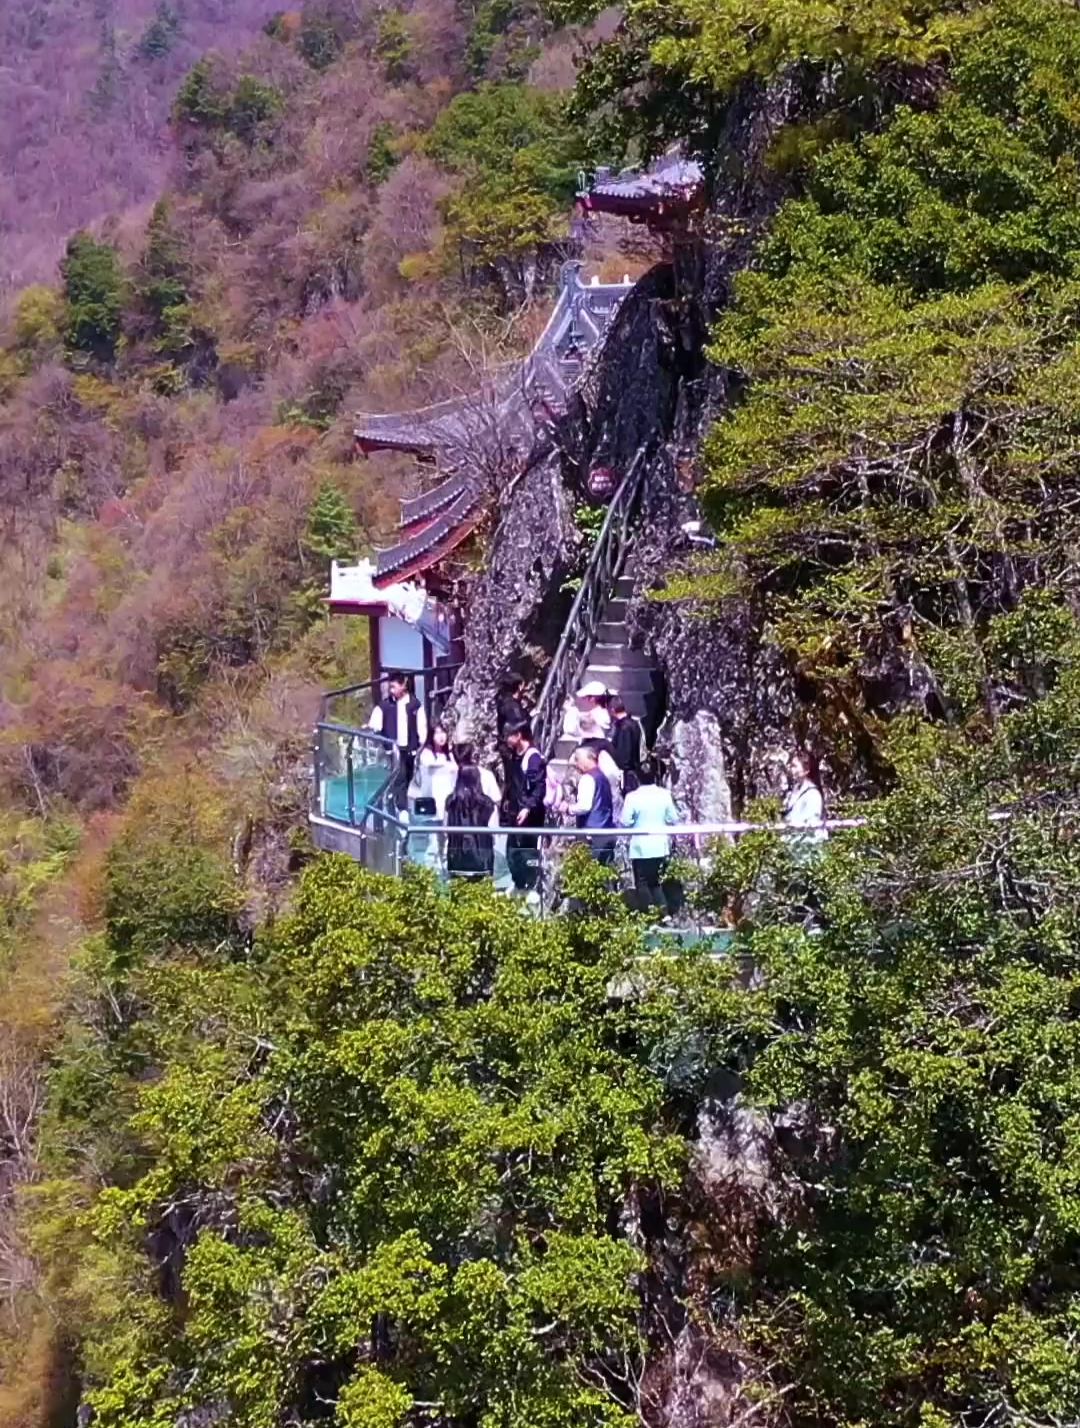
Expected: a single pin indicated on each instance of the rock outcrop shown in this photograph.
(732, 703)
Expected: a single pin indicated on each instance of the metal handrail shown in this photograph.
(374, 807)
(666, 830)
(369, 684)
(587, 611)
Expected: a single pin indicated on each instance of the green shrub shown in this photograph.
(166, 886)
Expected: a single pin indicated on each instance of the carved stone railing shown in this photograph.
(586, 613)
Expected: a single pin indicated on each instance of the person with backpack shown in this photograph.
(401, 719)
(470, 855)
(525, 807)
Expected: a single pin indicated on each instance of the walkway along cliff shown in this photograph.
(615, 398)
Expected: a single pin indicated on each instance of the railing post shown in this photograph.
(350, 784)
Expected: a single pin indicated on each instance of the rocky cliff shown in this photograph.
(732, 706)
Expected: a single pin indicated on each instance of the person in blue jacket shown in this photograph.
(594, 803)
(650, 810)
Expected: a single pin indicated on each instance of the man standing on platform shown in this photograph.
(525, 806)
(401, 718)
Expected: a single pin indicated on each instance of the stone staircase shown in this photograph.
(615, 663)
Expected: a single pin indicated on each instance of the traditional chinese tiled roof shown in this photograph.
(578, 322)
(419, 508)
(438, 538)
(671, 177)
(459, 430)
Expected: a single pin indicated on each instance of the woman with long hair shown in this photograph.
(804, 803)
(470, 855)
(436, 770)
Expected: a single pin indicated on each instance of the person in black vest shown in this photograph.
(525, 806)
(401, 718)
(625, 741)
(594, 804)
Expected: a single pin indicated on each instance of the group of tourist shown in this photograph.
(617, 789)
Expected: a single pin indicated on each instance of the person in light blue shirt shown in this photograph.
(649, 810)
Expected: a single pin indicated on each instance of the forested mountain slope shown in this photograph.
(340, 1148)
(340, 228)
(85, 90)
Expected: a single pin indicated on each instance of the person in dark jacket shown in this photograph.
(527, 785)
(509, 711)
(509, 707)
(625, 740)
(469, 855)
(656, 703)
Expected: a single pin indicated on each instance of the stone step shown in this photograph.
(616, 609)
(625, 587)
(620, 678)
(620, 655)
(611, 632)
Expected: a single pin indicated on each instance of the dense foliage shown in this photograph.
(176, 468)
(416, 1157)
(899, 466)
(384, 1158)
(382, 1153)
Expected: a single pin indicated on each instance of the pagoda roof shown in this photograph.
(657, 195)
(460, 425)
(435, 540)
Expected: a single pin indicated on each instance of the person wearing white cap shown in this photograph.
(587, 717)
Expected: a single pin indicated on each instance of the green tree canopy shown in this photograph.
(206, 102)
(898, 464)
(93, 292)
(518, 156)
(417, 1183)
